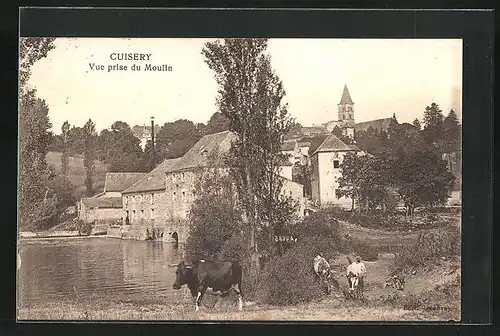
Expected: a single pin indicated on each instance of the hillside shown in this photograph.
(77, 172)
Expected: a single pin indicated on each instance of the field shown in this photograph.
(77, 172)
(431, 293)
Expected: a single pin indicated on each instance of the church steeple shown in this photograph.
(346, 108)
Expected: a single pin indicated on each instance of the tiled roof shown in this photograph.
(198, 155)
(103, 202)
(379, 124)
(346, 97)
(305, 144)
(154, 180)
(334, 144)
(120, 181)
(288, 145)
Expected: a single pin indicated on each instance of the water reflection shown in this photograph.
(52, 270)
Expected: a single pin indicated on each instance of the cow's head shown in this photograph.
(183, 275)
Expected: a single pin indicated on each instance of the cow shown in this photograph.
(213, 276)
(323, 271)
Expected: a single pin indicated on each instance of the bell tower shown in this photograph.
(346, 109)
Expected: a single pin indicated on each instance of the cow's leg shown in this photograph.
(237, 289)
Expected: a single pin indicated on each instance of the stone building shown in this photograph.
(158, 205)
(325, 163)
(107, 206)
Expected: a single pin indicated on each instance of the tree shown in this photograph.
(175, 138)
(422, 179)
(433, 124)
(217, 123)
(452, 133)
(295, 131)
(34, 141)
(65, 148)
(89, 155)
(215, 215)
(417, 124)
(121, 149)
(250, 97)
(304, 177)
(32, 49)
(76, 140)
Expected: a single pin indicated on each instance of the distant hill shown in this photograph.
(77, 172)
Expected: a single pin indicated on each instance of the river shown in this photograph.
(57, 269)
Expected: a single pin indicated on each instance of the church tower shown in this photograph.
(346, 109)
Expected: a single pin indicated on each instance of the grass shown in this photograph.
(76, 172)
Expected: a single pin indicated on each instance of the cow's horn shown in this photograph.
(174, 265)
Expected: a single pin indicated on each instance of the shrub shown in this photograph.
(365, 250)
(430, 245)
(290, 279)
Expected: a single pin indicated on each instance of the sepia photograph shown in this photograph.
(229, 179)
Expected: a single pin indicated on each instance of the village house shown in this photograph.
(325, 164)
(143, 133)
(296, 151)
(158, 205)
(107, 206)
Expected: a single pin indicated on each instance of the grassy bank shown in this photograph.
(328, 309)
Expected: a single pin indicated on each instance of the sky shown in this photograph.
(384, 76)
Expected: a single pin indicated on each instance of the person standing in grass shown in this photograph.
(356, 269)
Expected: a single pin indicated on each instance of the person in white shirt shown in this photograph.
(356, 269)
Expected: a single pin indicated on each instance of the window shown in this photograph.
(182, 177)
(152, 213)
(125, 199)
(133, 215)
(142, 214)
(173, 177)
(152, 198)
(173, 195)
(183, 195)
(336, 164)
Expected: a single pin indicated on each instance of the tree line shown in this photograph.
(406, 160)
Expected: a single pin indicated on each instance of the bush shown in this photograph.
(366, 251)
(429, 246)
(290, 279)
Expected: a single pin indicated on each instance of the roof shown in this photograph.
(288, 145)
(304, 144)
(120, 181)
(346, 97)
(198, 155)
(333, 144)
(103, 202)
(154, 180)
(317, 130)
(139, 130)
(378, 124)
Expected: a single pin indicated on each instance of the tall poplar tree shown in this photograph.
(250, 98)
(65, 148)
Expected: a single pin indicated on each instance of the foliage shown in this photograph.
(32, 49)
(121, 149)
(175, 138)
(429, 246)
(295, 131)
(433, 124)
(34, 138)
(215, 216)
(417, 124)
(304, 177)
(423, 179)
(65, 148)
(250, 98)
(89, 155)
(451, 133)
(290, 279)
(216, 124)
